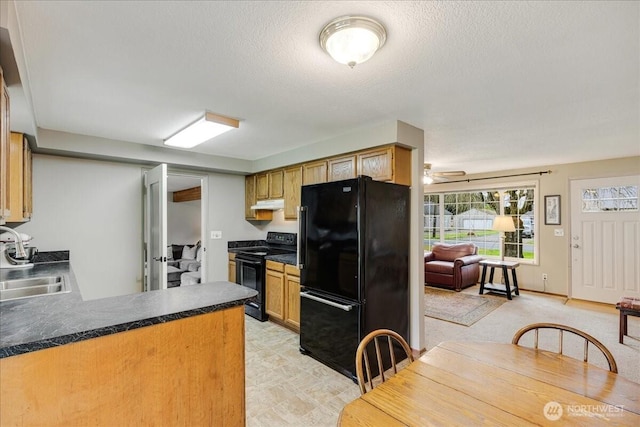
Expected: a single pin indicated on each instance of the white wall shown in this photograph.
(183, 221)
(94, 209)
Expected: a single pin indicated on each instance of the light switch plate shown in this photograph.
(558, 232)
(216, 234)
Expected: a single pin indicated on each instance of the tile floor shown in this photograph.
(286, 388)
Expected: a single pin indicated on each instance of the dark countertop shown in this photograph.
(284, 258)
(41, 322)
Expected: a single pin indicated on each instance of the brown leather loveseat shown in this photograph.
(452, 266)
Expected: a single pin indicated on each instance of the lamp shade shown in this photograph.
(352, 40)
(503, 223)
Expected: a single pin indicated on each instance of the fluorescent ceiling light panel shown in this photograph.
(208, 126)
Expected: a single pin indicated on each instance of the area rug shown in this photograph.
(458, 307)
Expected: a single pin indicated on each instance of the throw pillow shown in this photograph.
(170, 253)
(199, 254)
(189, 252)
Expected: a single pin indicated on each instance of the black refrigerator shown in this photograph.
(354, 266)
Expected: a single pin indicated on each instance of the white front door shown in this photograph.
(155, 229)
(605, 238)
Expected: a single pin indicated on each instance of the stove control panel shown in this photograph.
(288, 239)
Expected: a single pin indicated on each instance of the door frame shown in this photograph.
(204, 216)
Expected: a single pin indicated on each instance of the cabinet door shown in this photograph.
(378, 164)
(28, 181)
(232, 268)
(274, 297)
(262, 186)
(4, 151)
(249, 196)
(17, 184)
(292, 279)
(314, 173)
(342, 168)
(276, 187)
(292, 185)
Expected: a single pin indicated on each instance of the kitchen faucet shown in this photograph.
(20, 252)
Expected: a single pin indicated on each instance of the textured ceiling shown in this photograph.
(494, 85)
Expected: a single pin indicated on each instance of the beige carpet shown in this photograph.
(458, 307)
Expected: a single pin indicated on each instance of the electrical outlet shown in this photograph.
(216, 234)
(544, 276)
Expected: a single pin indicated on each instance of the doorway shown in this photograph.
(174, 242)
(605, 238)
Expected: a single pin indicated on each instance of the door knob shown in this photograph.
(159, 258)
(576, 246)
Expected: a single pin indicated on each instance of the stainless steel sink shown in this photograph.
(36, 286)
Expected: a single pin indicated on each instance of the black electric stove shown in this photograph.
(251, 267)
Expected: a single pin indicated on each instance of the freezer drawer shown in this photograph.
(330, 330)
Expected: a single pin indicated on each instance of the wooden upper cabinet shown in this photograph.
(292, 186)
(314, 173)
(276, 185)
(342, 168)
(4, 151)
(262, 186)
(20, 180)
(250, 182)
(391, 163)
(378, 164)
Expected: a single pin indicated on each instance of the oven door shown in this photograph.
(250, 273)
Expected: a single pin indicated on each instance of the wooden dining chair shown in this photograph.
(385, 357)
(613, 367)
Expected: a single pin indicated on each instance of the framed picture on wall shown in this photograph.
(552, 210)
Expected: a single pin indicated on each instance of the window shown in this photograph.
(468, 217)
(606, 199)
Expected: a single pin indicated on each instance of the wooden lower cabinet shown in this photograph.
(283, 294)
(186, 372)
(232, 268)
(292, 289)
(274, 297)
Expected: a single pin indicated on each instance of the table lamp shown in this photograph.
(503, 223)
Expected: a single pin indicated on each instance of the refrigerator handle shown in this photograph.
(302, 238)
(325, 301)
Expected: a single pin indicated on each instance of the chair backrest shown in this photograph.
(387, 356)
(613, 367)
(449, 252)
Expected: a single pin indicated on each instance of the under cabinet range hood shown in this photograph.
(269, 205)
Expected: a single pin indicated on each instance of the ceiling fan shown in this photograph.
(431, 177)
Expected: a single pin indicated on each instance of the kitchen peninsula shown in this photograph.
(173, 356)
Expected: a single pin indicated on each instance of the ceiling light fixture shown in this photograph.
(206, 127)
(352, 40)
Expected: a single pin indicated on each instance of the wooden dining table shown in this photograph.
(482, 383)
